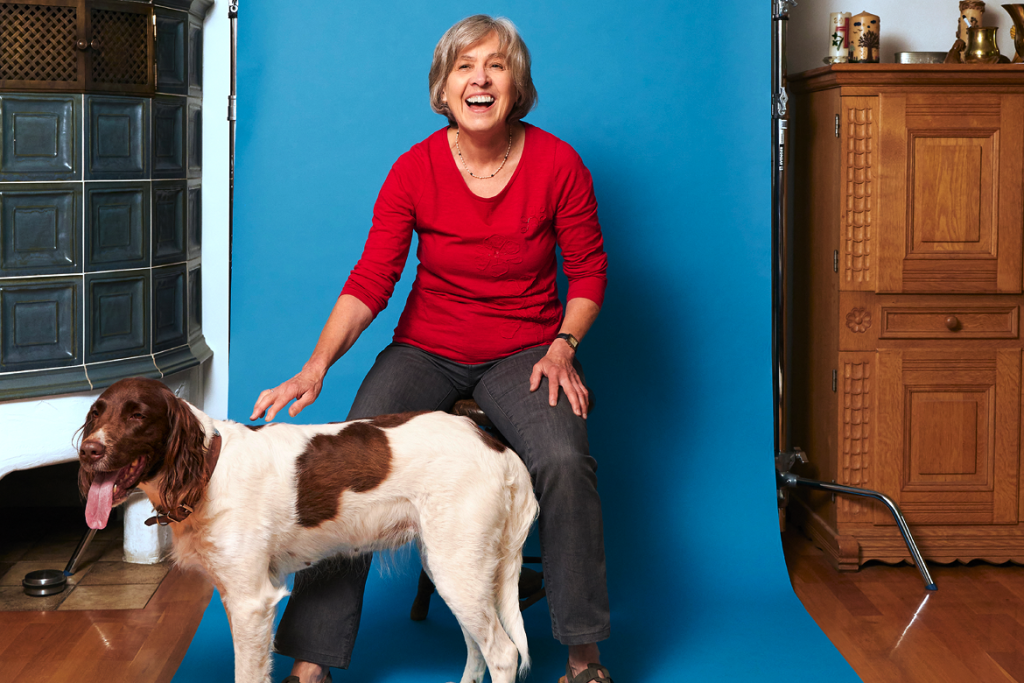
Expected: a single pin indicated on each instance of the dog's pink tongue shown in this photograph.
(101, 498)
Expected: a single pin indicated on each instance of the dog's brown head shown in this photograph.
(136, 430)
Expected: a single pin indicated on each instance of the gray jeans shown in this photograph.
(322, 618)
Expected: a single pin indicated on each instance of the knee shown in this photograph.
(563, 468)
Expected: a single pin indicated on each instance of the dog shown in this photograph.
(250, 505)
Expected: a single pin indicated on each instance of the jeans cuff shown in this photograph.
(304, 655)
(585, 639)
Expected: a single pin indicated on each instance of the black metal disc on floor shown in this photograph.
(44, 582)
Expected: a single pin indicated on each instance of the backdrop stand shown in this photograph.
(787, 455)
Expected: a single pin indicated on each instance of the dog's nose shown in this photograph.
(93, 449)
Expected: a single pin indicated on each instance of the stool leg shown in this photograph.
(421, 605)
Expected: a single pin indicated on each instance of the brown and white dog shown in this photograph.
(252, 505)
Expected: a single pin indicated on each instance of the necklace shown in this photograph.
(458, 150)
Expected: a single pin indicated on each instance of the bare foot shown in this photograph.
(582, 656)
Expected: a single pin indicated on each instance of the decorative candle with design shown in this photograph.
(971, 14)
(864, 38)
(839, 37)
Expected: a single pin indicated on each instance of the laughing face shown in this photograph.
(479, 90)
(118, 439)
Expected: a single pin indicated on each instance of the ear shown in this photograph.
(185, 459)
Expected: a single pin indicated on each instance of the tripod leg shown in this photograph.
(792, 480)
(76, 557)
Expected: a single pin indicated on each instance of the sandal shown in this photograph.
(295, 679)
(593, 672)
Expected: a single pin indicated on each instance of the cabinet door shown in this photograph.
(948, 435)
(947, 192)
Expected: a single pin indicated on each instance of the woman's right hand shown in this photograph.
(303, 387)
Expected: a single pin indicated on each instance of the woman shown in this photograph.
(490, 197)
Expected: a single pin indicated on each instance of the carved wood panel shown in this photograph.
(857, 223)
(856, 431)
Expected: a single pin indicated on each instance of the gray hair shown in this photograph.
(471, 30)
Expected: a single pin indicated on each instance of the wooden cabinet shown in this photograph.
(908, 213)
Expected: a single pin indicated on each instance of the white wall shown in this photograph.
(216, 84)
(40, 432)
(907, 26)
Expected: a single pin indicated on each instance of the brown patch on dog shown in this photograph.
(358, 459)
(256, 428)
(490, 441)
(397, 419)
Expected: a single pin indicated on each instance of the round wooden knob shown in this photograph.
(82, 45)
(952, 323)
(95, 44)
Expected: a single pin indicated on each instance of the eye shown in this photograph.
(463, 67)
(137, 416)
(498, 65)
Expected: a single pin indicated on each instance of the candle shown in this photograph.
(839, 37)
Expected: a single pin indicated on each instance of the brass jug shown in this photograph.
(981, 45)
(1016, 12)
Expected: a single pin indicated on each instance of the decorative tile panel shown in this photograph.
(171, 70)
(117, 226)
(169, 137)
(116, 315)
(195, 57)
(195, 138)
(195, 301)
(195, 219)
(40, 229)
(169, 307)
(116, 138)
(169, 218)
(40, 141)
(37, 323)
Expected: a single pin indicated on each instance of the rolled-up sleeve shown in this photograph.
(373, 278)
(577, 228)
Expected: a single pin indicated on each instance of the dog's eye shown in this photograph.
(137, 416)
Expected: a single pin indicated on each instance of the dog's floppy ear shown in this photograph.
(184, 469)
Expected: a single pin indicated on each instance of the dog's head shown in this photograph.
(138, 430)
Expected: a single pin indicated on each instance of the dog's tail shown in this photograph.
(523, 511)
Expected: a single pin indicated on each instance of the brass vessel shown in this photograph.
(981, 45)
(1016, 13)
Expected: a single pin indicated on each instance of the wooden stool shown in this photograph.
(531, 582)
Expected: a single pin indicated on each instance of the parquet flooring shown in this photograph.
(891, 630)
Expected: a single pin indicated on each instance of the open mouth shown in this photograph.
(109, 489)
(479, 103)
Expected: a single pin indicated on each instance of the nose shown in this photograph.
(480, 75)
(92, 450)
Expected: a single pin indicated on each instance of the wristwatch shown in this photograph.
(572, 341)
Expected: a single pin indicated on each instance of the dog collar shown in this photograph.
(180, 513)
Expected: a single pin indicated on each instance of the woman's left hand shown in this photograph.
(557, 366)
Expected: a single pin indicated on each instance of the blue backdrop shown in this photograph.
(672, 117)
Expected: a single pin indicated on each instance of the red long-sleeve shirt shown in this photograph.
(485, 285)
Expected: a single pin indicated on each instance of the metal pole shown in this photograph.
(233, 20)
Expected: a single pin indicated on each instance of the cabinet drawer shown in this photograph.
(902, 321)
(948, 322)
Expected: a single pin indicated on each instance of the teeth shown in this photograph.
(480, 99)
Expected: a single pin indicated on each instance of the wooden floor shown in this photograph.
(891, 630)
(136, 646)
(882, 620)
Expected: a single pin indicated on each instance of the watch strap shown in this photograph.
(572, 341)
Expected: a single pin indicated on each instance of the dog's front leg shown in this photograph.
(251, 615)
